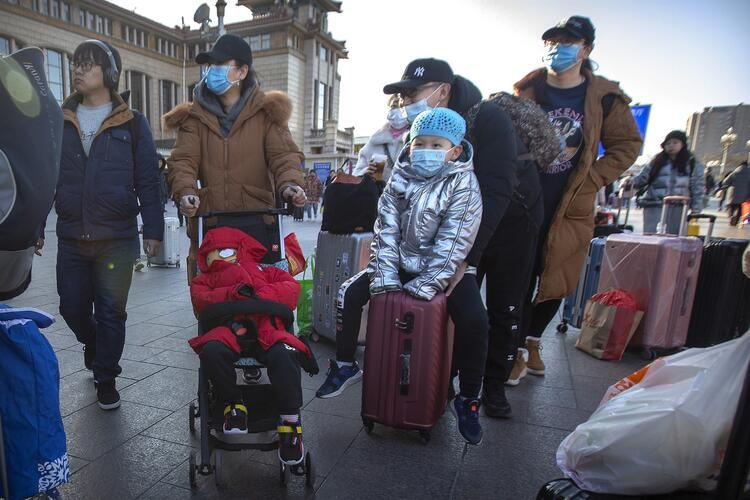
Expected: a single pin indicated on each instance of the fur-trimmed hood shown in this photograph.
(276, 105)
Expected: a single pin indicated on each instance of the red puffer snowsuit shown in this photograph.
(221, 282)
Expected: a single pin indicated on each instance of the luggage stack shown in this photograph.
(169, 252)
(661, 272)
(338, 257)
(407, 362)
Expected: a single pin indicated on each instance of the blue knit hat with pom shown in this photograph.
(439, 122)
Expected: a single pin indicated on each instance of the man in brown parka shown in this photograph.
(586, 109)
(234, 139)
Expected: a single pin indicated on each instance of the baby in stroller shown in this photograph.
(229, 261)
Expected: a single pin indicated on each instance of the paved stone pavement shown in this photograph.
(141, 450)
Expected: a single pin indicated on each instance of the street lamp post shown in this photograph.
(220, 6)
(727, 140)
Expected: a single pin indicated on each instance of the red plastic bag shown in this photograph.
(609, 322)
(294, 255)
(617, 297)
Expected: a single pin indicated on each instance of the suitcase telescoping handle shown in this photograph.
(674, 200)
(711, 221)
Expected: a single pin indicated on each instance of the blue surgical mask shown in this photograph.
(561, 56)
(217, 79)
(412, 110)
(427, 162)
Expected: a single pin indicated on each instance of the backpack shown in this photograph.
(531, 123)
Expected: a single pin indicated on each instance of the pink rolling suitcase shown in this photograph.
(662, 272)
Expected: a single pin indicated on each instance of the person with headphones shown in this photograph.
(109, 173)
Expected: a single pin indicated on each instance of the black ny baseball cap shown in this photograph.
(421, 71)
(577, 26)
(227, 47)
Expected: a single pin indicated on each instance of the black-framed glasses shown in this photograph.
(85, 66)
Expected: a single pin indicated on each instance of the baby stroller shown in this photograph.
(252, 378)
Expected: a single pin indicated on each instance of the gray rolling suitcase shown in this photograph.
(337, 258)
(169, 252)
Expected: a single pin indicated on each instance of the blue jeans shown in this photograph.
(93, 281)
(310, 207)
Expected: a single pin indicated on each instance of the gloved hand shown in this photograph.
(247, 291)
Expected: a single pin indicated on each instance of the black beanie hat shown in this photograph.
(676, 134)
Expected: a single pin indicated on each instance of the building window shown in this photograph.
(138, 91)
(53, 64)
(191, 89)
(41, 6)
(293, 41)
(168, 97)
(329, 107)
(65, 11)
(259, 42)
(320, 105)
(323, 53)
(4, 46)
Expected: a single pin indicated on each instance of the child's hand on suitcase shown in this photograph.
(189, 205)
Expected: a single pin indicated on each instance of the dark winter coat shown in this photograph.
(738, 183)
(99, 195)
(502, 179)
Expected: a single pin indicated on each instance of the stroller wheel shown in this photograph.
(314, 336)
(562, 327)
(309, 471)
(193, 467)
(217, 469)
(284, 473)
(193, 412)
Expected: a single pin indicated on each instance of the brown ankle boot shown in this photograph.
(534, 365)
(518, 371)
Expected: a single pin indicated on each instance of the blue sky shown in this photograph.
(679, 56)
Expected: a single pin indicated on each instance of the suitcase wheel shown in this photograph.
(369, 425)
(424, 436)
(315, 336)
(562, 327)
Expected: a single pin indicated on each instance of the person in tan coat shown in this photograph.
(586, 109)
(234, 139)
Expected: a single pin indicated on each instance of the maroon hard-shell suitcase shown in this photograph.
(662, 272)
(407, 362)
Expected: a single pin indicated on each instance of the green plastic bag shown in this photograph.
(304, 305)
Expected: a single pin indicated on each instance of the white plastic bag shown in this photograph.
(666, 432)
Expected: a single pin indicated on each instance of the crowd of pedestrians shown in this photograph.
(465, 202)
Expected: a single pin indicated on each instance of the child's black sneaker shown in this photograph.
(89, 352)
(107, 395)
(235, 419)
(291, 449)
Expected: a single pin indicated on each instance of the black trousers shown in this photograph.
(93, 281)
(507, 265)
(536, 317)
(282, 367)
(465, 308)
